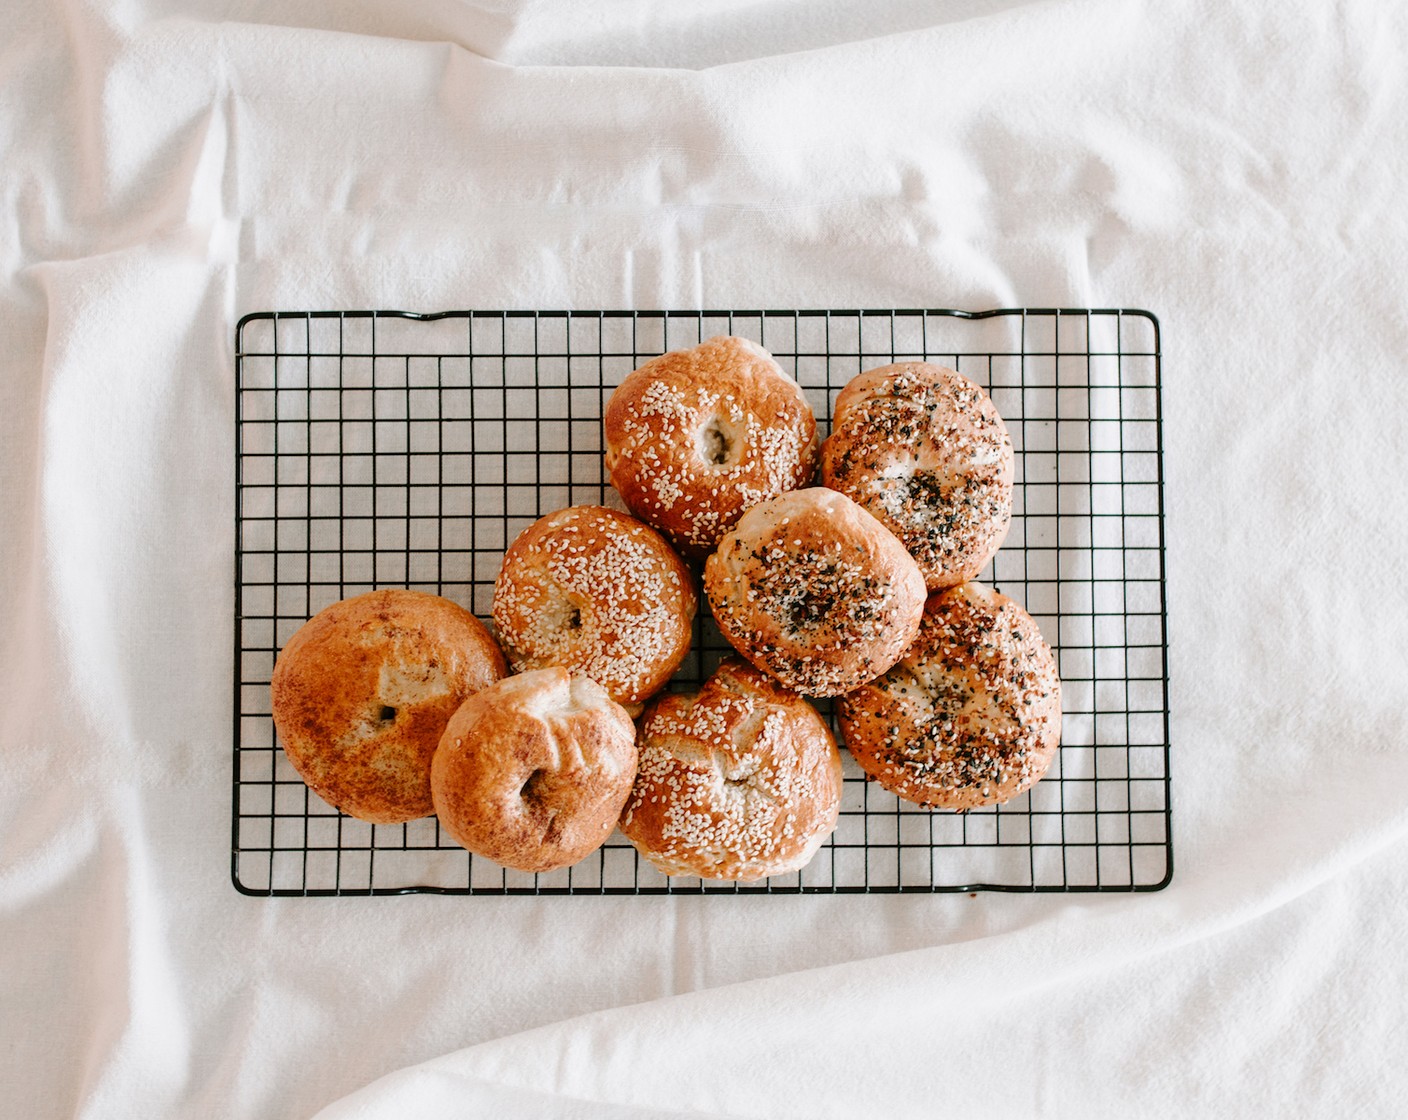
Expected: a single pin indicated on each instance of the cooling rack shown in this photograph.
(390, 449)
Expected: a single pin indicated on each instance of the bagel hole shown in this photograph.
(532, 784)
(388, 713)
(806, 611)
(718, 442)
(716, 445)
(561, 613)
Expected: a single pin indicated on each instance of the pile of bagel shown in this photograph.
(533, 742)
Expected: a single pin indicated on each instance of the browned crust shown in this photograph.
(658, 450)
(595, 591)
(739, 781)
(362, 692)
(923, 449)
(532, 772)
(972, 714)
(814, 590)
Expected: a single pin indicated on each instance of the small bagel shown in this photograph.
(362, 691)
(595, 591)
(740, 781)
(971, 715)
(924, 449)
(814, 590)
(532, 771)
(695, 437)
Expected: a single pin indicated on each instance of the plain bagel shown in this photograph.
(362, 691)
(533, 771)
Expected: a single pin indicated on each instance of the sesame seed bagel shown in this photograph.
(924, 449)
(595, 591)
(532, 772)
(972, 714)
(362, 692)
(814, 590)
(739, 781)
(695, 437)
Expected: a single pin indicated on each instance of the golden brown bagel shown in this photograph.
(695, 437)
(532, 772)
(815, 591)
(597, 592)
(924, 449)
(971, 715)
(740, 781)
(362, 692)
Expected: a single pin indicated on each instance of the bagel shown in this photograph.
(362, 692)
(695, 437)
(739, 781)
(924, 450)
(970, 716)
(532, 772)
(814, 590)
(595, 591)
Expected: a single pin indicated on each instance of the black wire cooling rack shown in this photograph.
(387, 449)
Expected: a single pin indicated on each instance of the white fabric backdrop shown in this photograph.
(1238, 169)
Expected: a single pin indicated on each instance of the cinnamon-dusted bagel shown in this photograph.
(695, 437)
(971, 715)
(532, 772)
(362, 692)
(740, 781)
(597, 592)
(924, 449)
(815, 591)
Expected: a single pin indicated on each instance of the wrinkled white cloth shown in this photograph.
(1239, 169)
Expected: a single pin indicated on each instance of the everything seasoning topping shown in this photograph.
(808, 589)
(925, 451)
(972, 713)
(837, 599)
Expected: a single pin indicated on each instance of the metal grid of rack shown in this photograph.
(387, 449)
